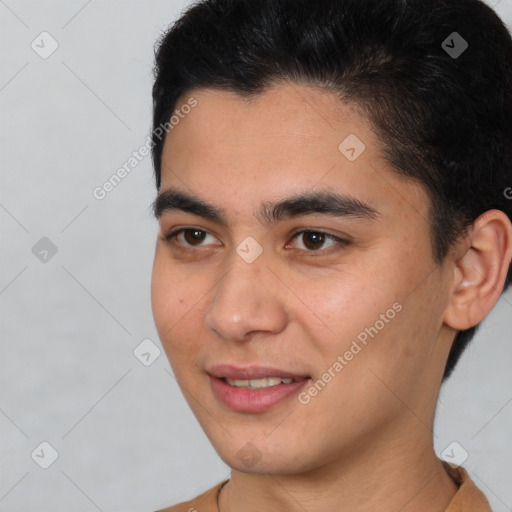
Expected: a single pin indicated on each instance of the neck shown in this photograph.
(403, 475)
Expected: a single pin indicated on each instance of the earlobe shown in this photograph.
(479, 274)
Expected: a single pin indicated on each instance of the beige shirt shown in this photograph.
(468, 498)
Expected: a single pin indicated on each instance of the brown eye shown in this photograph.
(315, 240)
(193, 236)
(187, 237)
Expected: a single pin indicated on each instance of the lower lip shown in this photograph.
(253, 400)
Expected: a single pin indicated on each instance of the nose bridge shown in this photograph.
(244, 301)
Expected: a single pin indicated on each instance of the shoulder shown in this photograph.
(205, 502)
(469, 497)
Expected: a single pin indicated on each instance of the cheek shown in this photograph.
(351, 302)
(178, 299)
(160, 296)
(370, 321)
(171, 297)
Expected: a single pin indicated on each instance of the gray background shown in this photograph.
(125, 438)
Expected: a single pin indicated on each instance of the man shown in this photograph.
(334, 225)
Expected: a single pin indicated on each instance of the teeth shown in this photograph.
(266, 382)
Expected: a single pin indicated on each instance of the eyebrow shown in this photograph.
(323, 202)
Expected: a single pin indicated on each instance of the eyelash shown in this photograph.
(168, 238)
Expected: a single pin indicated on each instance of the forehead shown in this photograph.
(288, 114)
(244, 151)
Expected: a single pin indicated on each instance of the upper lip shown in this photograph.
(251, 372)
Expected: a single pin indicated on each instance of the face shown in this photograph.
(336, 287)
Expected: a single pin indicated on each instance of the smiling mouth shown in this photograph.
(263, 383)
(256, 395)
(253, 374)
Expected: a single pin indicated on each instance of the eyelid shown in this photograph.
(169, 237)
(341, 242)
(319, 230)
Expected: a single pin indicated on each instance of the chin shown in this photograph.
(261, 457)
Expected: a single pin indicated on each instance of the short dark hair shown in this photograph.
(444, 120)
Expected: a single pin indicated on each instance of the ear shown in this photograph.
(480, 270)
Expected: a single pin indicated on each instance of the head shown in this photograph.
(372, 109)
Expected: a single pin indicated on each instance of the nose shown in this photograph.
(247, 299)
